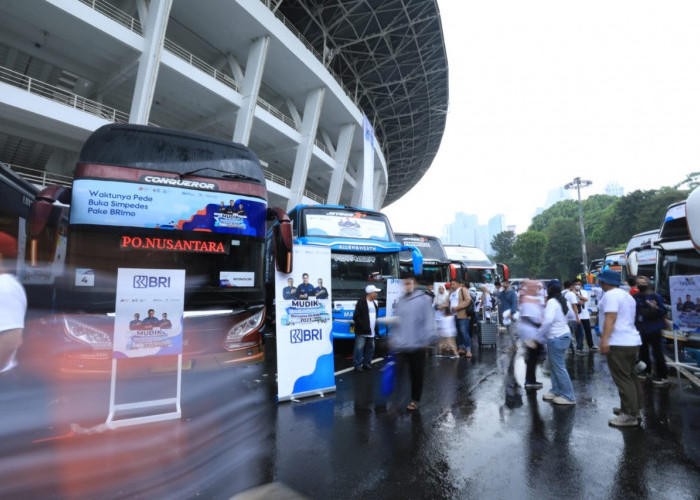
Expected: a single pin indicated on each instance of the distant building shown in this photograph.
(614, 189)
(463, 231)
(556, 195)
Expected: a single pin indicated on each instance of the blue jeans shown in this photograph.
(464, 341)
(363, 352)
(561, 382)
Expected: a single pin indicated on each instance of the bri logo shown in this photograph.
(299, 335)
(142, 281)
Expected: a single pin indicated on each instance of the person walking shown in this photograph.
(531, 312)
(555, 328)
(508, 305)
(366, 327)
(584, 315)
(13, 305)
(412, 333)
(650, 321)
(573, 317)
(620, 341)
(459, 303)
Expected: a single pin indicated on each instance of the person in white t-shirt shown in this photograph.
(620, 340)
(13, 305)
(584, 314)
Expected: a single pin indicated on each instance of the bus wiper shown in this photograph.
(227, 174)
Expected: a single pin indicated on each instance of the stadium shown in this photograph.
(305, 84)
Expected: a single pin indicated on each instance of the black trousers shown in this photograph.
(414, 361)
(653, 340)
(586, 324)
(533, 357)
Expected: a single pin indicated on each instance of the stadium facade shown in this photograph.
(294, 80)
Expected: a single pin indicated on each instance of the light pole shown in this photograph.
(577, 184)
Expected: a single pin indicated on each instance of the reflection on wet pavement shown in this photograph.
(478, 434)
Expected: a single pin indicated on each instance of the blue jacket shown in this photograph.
(648, 318)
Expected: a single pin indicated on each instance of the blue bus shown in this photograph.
(364, 251)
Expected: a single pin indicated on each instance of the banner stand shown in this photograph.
(112, 419)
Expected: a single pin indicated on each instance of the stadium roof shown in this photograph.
(391, 54)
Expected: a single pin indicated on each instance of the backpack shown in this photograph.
(470, 310)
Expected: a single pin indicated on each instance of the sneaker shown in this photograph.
(594, 348)
(641, 366)
(623, 420)
(617, 411)
(533, 385)
(562, 401)
(359, 369)
(643, 376)
(660, 382)
(549, 396)
(579, 352)
(454, 356)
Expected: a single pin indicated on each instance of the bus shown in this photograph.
(646, 256)
(364, 251)
(40, 250)
(437, 267)
(145, 197)
(474, 266)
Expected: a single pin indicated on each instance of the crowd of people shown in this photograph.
(550, 320)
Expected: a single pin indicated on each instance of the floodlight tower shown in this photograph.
(577, 184)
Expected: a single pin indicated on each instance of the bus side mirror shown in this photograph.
(282, 239)
(453, 272)
(503, 271)
(42, 206)
(633, 263)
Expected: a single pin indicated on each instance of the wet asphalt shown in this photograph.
(477, 434)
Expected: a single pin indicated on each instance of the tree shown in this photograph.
(502, 244)
(563, 251)
(691, 181)
(528, 250)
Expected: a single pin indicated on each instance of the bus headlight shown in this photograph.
(82, 329)
(243, 328)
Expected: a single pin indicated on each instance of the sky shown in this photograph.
(543, 91)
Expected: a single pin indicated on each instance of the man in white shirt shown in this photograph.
(620, 341)
(584, 314)
(573, 317)
(13, 305)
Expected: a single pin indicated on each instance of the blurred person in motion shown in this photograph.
(366, 328)
(555, 328)
(650, 321)
(531, 314)
(573, 317)
(447, 330)
(620, 341)
(508, 307)
(584, 314)
(459, 302)
(13, 305)
(441, 300)
(413, 331)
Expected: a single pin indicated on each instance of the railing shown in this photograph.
(42, 177)
(57, 94)
(275, 112)
(198, 63)
(287, 183)
(115, 14)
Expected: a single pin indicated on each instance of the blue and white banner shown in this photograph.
(148, 312)
(304, 325)
(685, 302)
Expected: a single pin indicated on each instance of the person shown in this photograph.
(241, 210)
(306, 289)
(486, 304)
(231, 208)
(620, 341)
(447, 330)
(151, 321)
(688, 305)
(321, 291)
(135, 323)
(366, 328)
(289, 291)
(531, 311)
(584, 314)
(459, 302)
(165, 322)
(413, 332)
(573, 317)
(441, 300)
(650, 321)
(508, 304)
(222, 208)
(430, 290)
(555, 328)
(13, 305)
(679, 305)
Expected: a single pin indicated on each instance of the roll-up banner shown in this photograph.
(304, 326)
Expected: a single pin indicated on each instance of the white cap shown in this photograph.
(372, 288)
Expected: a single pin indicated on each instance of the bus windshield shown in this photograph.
(351, 273)
(680, 263)
(340, 223)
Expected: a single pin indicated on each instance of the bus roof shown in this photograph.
(151, 148)
(430, 246)
(470, 255)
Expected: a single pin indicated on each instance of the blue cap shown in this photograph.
(610, 277)
(554, 283)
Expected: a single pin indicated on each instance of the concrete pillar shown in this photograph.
(149, 61)
(366, 178)
(312, 113)
(250, 88)
(342, 153)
